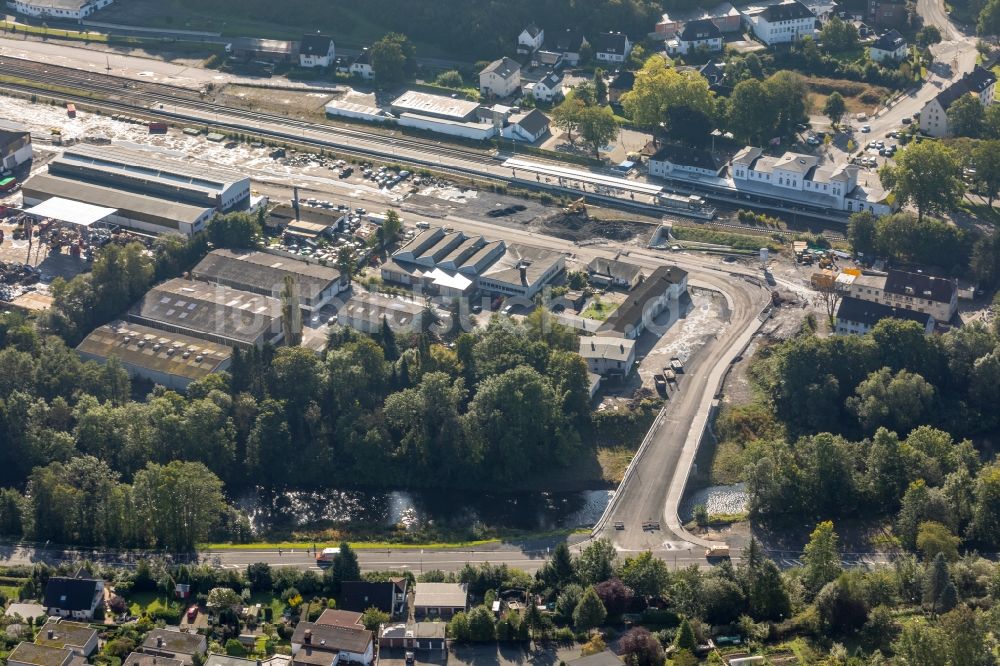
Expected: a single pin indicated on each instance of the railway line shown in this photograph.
(154, 98)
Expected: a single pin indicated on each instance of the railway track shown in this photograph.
(152, 98)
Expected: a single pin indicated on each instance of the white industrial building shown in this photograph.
(476, 131)
(15, 144)
(75, 10)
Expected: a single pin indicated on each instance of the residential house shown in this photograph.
(549, 88)
(714, 73)
(311, 656)
(662, 289)
(77, 598)
(143, 659)
(857, 317)
(612, 47)
(349, 644)
(528, 127)
(621, 83)
(530, 39)
(15, 144)
(980, 83)
(316, 51)
(441, 600)
(613, 273)
(570, 43)
(361, 67)
(888, 13)
(75, 636)
(608, 355)
(785, 22)
(700, 35)
(889, 46)
(551, 60)
(32, 654)
(338, 617)
(501, 78)
(388, 596)
(669, 160)
(174, 644)
(918, 292)
(425, 637)
(726, 17)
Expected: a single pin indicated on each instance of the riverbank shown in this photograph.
(319, 544)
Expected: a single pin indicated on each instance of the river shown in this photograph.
(414, 509)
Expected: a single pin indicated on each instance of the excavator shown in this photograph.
(578, 207)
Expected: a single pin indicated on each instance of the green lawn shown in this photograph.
(597, 309)
(10, 592)
(147, 602)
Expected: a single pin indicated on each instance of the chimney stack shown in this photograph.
(307, 637)
(159, 641)
(51, 634)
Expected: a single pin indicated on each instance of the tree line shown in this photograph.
(506, 403)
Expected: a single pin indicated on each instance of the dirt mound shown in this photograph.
(579, 227)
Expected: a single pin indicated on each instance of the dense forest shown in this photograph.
(872, 426)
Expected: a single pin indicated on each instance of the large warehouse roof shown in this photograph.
(208, 310)
(440, 106)
(71, 212)
(149, 164)
(130, 204)
(143, 347)
(264, 273)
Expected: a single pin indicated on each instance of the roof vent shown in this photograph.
(171, 350)
(141, 343)
(156, 347)
(199, 358)
(186, 354)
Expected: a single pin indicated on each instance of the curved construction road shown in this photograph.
(655, 481)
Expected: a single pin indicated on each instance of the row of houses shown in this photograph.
(980, 83)
(869, 298)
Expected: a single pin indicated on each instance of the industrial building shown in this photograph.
(74, 10)
(366, 311)
(455, 264)
(269, 50)
(522, 271)
(172, 360)
(435, 106)
(155, 174)
(134, 211)
(211, 312)
(15, 144)
(264, 273)
(476, 131)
